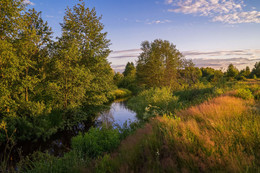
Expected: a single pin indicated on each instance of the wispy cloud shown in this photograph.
(205, 7)
(216, 59)
(244, 52)
(159, 22)
(28, 2)
(150, 22)
(240, 63)
(239, 17)
(226, 11)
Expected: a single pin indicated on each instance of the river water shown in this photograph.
(118, 114)
(58, 144)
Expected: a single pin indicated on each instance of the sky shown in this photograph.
(212, 33)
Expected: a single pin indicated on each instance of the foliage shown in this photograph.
(96, 142)
(232, 72)
(217, 136)
(119, 93)
(161, 98)
(129, 70)
(256, 70)
(8, 146)
(118, 78)
(244, 94)
(157, 65)
(190, 75)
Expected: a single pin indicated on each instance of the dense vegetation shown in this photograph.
(45, 83)
(190, 118)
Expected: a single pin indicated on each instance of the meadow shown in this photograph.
(203, 129)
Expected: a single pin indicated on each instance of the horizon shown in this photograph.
(212, 33)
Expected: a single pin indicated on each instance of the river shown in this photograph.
(58, 144)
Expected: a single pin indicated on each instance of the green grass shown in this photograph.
(221, 135)
(192, 130)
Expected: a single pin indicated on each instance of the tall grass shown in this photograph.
(220, 135)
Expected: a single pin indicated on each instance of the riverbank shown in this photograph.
(59, 143)
(207, 129)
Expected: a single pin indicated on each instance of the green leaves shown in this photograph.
(158, 63)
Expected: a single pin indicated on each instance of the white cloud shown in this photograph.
(216, 59)
(159, 22)
(148, 21)
(205, 7)
(239, 17)
(28, 2)
(226, 11)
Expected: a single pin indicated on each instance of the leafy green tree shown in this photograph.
(232, 72)
(72, 78)
(208, 73)
(191, 75)
(33, 40)
(129, 69)
(218, 74)
(10, 18)
(82, 27)
(118, 78)
(244, 73)
(10, 14)
(256, 70)
(158, 64)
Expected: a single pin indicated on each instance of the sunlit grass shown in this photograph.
(222, 134)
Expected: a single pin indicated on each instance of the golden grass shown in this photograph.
(221, 135)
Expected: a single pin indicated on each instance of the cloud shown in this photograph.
(240, 63)
(239, 17)
(28, 2)
(215, 59)
(226, 11)
(149, 22)
(205, 7)
(159, 22)
(245, 52)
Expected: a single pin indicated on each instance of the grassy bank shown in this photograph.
(201, 129)
(218, 135)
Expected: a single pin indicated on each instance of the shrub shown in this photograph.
(96, 142)
(159, 97)
(244, 94)
(119, 93)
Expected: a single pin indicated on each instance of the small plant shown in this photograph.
(10, 143)
(244, 94)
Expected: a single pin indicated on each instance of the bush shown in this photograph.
(96, 142)
(159, 97)
(257, 95)
(119, 93)
(244, 94)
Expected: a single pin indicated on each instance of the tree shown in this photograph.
(232, 71)
(83, 28)
(191, 75)
(129, 69)
(10, 14)
(256, 70)
(118, 78)
(158, 64)
(33, 40)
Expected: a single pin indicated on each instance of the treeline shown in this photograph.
(161, 65)
(41, 79)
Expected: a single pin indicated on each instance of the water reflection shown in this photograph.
(118, 114)
(60, 143)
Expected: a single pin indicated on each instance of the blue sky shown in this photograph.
(212, 32)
